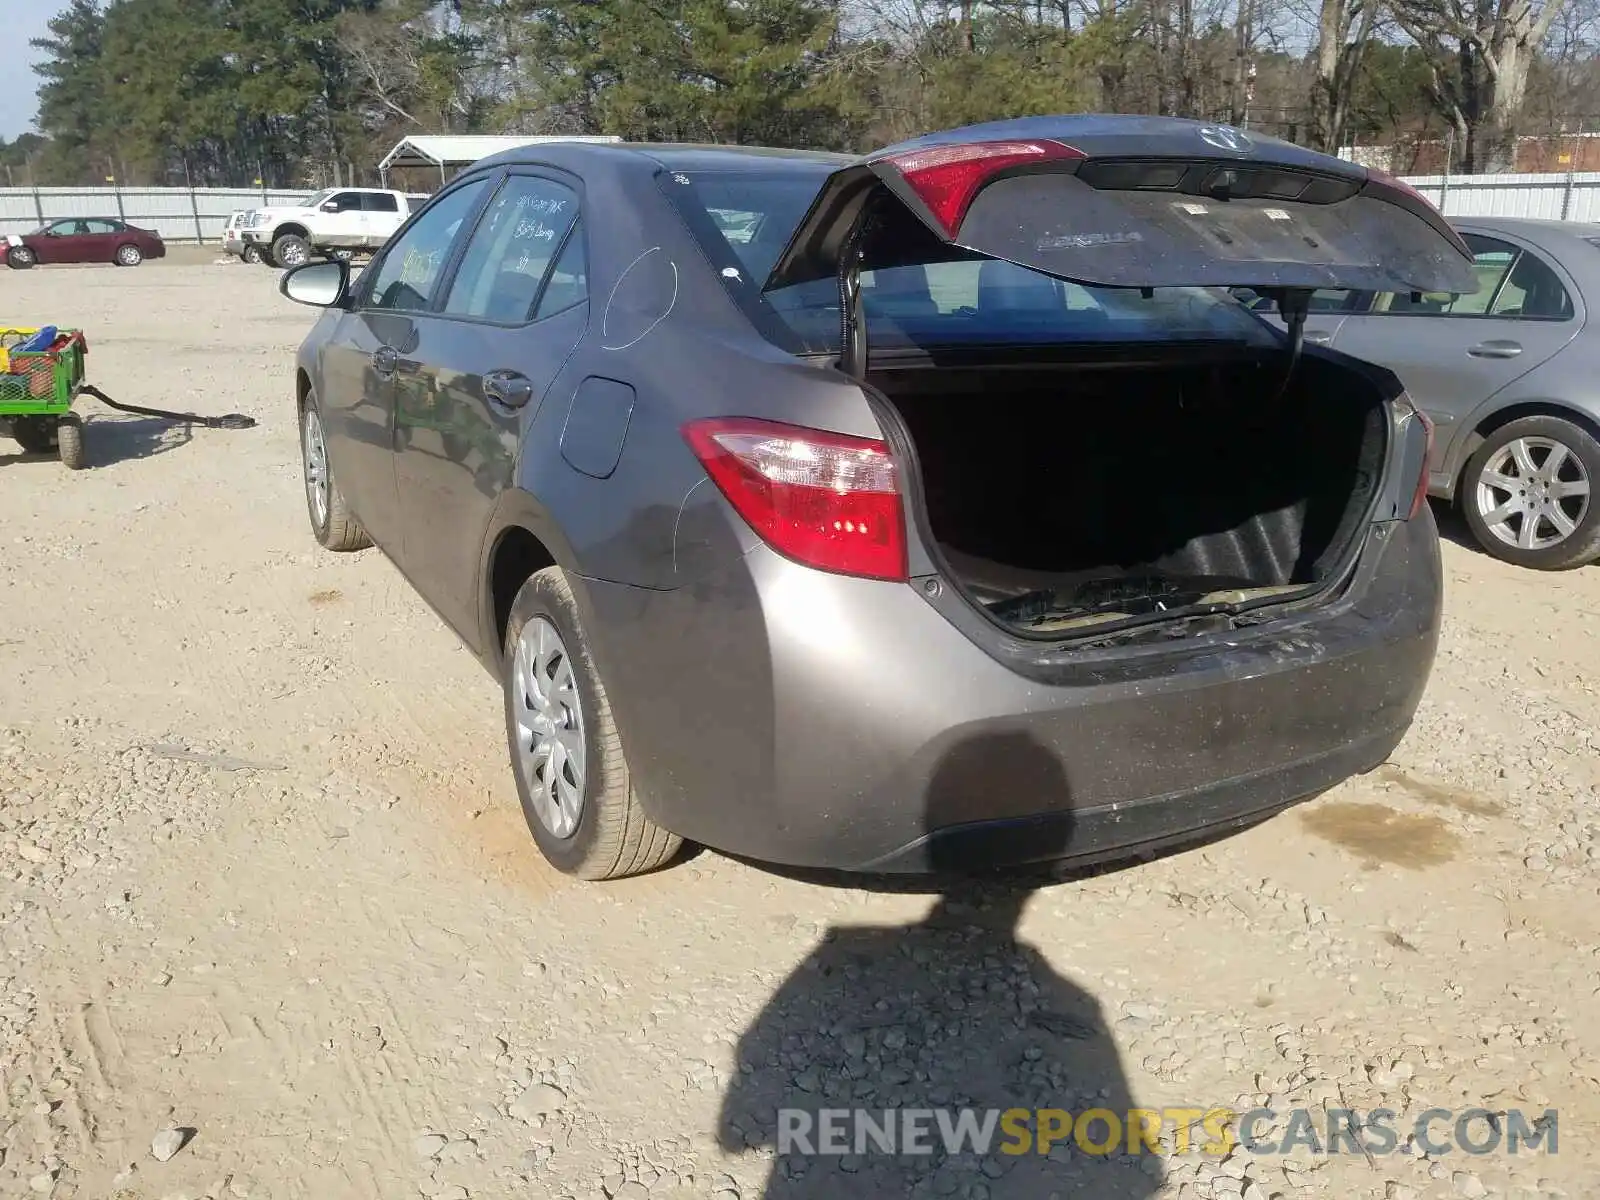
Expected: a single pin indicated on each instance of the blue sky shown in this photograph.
(21, 19)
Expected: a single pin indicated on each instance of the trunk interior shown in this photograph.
(1067, 500)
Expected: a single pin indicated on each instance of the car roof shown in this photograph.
(673, 156)
(1530, 227)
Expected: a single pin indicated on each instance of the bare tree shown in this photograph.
(1344, 31)
(1480, 53)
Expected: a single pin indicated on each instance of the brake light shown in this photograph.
(1420, 496)
(826, 500)
(946, 178)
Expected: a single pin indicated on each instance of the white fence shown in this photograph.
(1558, 197)
(200, 214)
(177, 214)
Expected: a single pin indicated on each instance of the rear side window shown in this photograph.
(381, 202)
(407, 277)
(933, 295)
(1512, 283)
(522, 231)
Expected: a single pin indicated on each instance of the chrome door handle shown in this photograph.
(1495, 349)
(508, 389)
(384, 360)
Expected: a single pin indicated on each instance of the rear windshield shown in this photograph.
(744, 219)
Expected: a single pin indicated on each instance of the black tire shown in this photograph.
(336, 528)
(341, 255)
(1577, 548)
(20, 258)
(251, 254)
(36, 435)
(70, 442)
(291, 250)
(613, 838)
(128, 255)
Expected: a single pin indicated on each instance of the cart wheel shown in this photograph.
(36, 435)
(69, 439)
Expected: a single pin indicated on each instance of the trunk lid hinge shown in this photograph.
(1293, 305)
(852, 320)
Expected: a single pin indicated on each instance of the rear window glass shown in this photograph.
(744, 219)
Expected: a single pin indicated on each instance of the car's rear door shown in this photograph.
(100, 243)
(381, 216)
(361, 359)
(515, 307)
(1454, 351)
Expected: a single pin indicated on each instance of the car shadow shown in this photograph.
(904, 1034)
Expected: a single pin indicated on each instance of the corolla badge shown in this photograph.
(1225, 137)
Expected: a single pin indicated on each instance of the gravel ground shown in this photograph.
(271, 925)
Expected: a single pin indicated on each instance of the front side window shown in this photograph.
(522, 231)
(407, 278)
(930, 296)
(347, 202)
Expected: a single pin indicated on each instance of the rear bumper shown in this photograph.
(808, 719)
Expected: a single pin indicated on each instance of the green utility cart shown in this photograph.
(41, 373)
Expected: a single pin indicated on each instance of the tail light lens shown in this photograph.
(826, 500)
(1420, 496)
(946, 178)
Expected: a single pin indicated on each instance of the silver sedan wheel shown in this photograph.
(1533, 493)
(316, 467)
(550, 747)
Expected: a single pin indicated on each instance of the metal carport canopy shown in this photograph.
(447, 150)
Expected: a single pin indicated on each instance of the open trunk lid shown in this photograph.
(1135, 202)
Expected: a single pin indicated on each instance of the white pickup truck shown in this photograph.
(336, 222)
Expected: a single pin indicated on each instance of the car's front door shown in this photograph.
(343, 221)
(63, 242)
(362, 358)
(1452, 352)
(515, 308)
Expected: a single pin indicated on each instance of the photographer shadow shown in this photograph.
(951, 1014)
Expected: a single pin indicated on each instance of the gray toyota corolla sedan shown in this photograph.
(940, 506)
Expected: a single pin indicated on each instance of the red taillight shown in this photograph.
(823, 499)
(946, 178)
(1420, 497)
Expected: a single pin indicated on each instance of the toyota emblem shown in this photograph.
(1225, 137)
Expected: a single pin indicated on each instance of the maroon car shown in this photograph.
(84, 240)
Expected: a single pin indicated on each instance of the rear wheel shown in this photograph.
(251, 255)
(69, 442)
(129, 255)
(36, 435)
(332, 522)
(20, 258)
(571, 776)
(1527, 494)
(291, 250)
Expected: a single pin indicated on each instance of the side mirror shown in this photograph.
(331, 206)
(319, 284)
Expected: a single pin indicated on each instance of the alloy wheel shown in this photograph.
(1533, 493)
(316, 468)
(550, 746)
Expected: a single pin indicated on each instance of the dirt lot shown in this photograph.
(263, 878)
